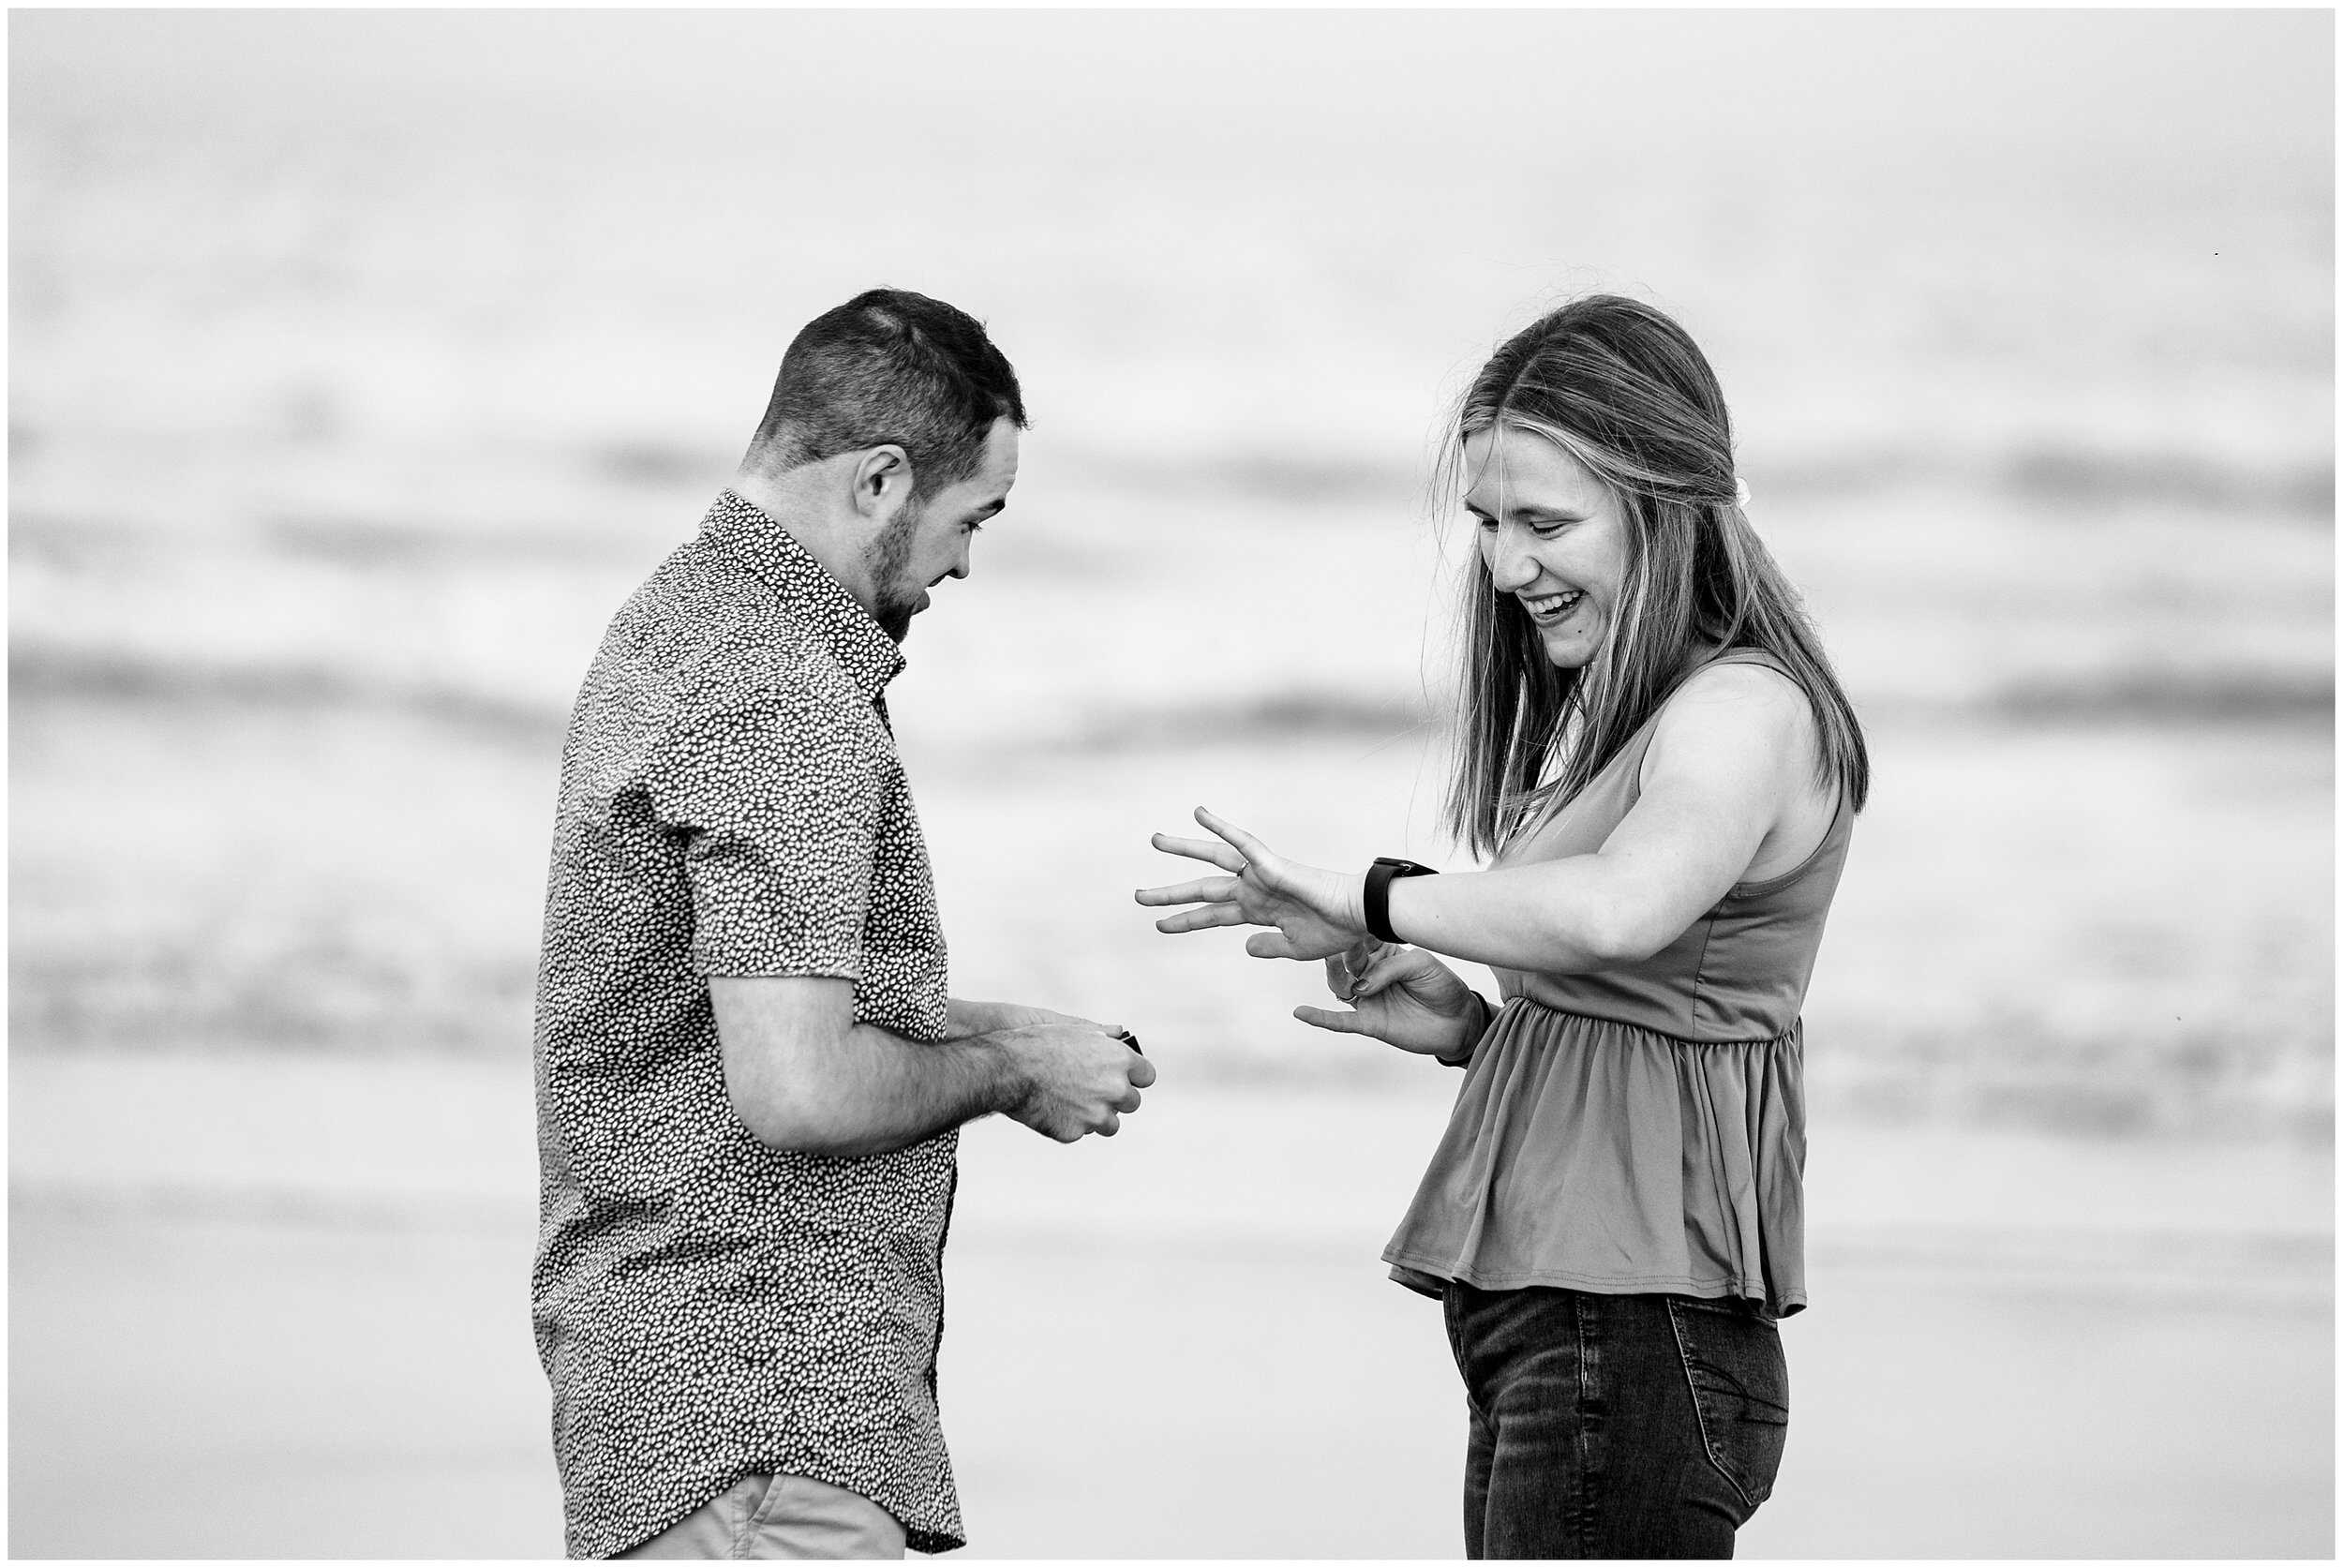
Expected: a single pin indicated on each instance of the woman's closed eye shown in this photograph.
(1545, 527)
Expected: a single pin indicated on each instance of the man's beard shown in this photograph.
(896, 600)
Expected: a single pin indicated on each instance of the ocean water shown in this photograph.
(346, 405)
(407, 393)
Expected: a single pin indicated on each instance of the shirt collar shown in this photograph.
(868, 655)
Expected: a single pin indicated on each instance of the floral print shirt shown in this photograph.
(705, 1306)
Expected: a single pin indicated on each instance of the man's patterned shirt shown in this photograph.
(705, 1306)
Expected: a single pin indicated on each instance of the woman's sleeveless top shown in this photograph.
(1642, 1129)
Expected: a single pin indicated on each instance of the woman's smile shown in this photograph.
(1548, 609)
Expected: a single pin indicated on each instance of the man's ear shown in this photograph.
(882, 483)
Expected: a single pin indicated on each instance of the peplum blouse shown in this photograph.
(1642, 1129)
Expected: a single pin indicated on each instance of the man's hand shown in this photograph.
(1080, 1078)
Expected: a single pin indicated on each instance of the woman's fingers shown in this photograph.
(1274, 944)
(1203, 917)
(1360, 970)
(1246, 845)
(1339, 976)
(1326, 1018)
(1221, 855)
(1207, 889)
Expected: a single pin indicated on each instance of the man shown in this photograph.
(749, 1075)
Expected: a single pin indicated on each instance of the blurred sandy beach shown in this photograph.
(361, 364)
(1177, 1344)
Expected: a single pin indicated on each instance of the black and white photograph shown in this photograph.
(1302, 784)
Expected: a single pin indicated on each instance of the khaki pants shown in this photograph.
(784, 1517)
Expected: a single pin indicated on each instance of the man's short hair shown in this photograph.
(891, 365)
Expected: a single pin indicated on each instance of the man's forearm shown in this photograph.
(804, 1076)
(878, 1092)
(964, 1017)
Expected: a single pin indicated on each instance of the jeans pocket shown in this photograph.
(1740, 1389)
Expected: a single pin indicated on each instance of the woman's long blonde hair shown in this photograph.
(1625, 391)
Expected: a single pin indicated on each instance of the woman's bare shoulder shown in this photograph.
(1756, 691)
(1743, 719)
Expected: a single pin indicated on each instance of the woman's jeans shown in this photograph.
(1615, 1425)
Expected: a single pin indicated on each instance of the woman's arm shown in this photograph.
(1731, 759)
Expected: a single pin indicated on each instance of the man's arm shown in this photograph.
(804, 1076)
(964, 1017)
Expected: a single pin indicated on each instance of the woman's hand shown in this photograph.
(1402, 997)
(1311, 913)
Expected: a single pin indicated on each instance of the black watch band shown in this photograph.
(1377, 901)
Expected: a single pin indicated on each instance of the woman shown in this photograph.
(1662, 771)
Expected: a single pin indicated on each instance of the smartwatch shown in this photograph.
(1379, 880)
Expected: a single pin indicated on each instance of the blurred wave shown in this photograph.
(38, 676)
(2087, 484)
(2193, 696)
(2214, 698)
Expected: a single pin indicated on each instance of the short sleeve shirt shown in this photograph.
(705, 1306)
